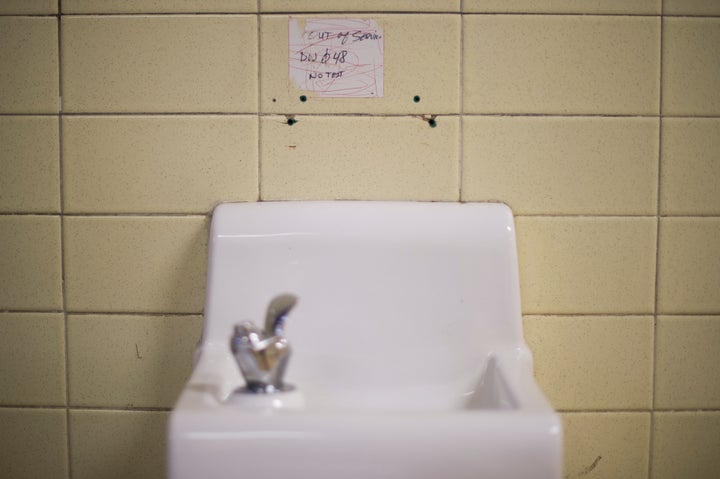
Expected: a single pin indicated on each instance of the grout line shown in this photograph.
(653, 362)
(368, 13)
(649, 411)
(259, 101)
(68, 446)
(110, 215)
(364, 13)
(133, 313)
(372, 115)
(201, 214)
(32, 406)
(359, 114)
(586, 216)
(30, 15)
(461, 107)
(123, 409)
(32, 311)
(308, 13)
(161, 14)
(455, 12)
(586, 315)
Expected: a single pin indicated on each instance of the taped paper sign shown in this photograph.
(336, 57)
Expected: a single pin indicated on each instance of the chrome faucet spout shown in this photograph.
(277, 312)
(262, 355)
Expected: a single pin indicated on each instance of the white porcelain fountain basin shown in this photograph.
(408, 356)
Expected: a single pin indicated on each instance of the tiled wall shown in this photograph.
(123, 123)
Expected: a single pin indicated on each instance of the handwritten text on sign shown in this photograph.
(336, 57)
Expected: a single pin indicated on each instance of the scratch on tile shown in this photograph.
(590, 468)
(586, 470)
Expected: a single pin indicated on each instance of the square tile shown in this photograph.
(586, 265)
(417, 64)
(135, 264)
(30, 164)
(561, 64)
(160, 63)
(359, 158)
(158, 164)
(562, 165)
(32, 354)
(118, 444)
(29, 58)
(33, 443)
(593, 362)
(688, 352)
(689, 266)
(647, 7)
(690, 166)
(28, 7)
(686, 444)
(159, 6)
(130, 361)
(30, 263)
(323, 6)
(691, 7)
(606, 445)
(691, 66)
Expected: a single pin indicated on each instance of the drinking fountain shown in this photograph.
(363, 340)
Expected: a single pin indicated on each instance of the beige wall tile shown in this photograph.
(30, 164)
(416, 63)
(691, 7)
(562, 6)
(688, 352)
(562, 165)
(28, 7)
(135, 264)
(160, 63)
(32, 354)
(130, 361)
(686, 444)
(593, 362)
(29, 59)
(33, 443)
(689, 265)
(359, 158)
(30, 263)
(690, 166)
(586, 265)
(158, 164)
(561, 64)
(691, 66)
(118, 444)
(606, 445)
(159, 6)
(359, 6)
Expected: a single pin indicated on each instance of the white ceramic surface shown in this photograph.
(408, 355)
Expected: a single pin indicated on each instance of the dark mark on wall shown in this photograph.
(585, 471)
(137, 351)
(590, 468)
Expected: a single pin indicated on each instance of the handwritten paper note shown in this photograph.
(336, 57)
